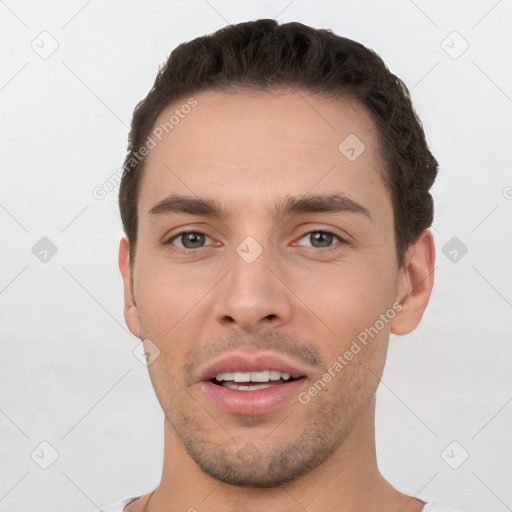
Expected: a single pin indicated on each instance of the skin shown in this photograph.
(247, 151)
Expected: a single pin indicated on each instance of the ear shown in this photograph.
(131, 313)
(415, 283)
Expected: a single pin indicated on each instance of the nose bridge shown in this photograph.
(252, 293)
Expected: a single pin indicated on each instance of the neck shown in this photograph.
(348, 480)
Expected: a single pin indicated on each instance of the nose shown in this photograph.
(253, 295)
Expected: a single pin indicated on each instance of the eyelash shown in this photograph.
(318, 249)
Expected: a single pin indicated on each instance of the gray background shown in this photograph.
(68, 373)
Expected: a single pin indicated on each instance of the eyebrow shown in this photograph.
(320, 203)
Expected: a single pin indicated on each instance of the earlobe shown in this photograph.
(415, 284)
(131, 313)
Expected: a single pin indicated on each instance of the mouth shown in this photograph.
(251, 386)
(252, 381)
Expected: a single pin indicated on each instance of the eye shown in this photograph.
(190, 240)
(322, 239)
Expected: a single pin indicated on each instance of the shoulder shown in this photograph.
(119, 506)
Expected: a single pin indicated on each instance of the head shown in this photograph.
(252, 142)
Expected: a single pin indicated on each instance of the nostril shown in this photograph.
(271, 317)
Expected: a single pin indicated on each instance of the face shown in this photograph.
(265, 280)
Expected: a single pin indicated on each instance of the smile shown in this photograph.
(251, 381)
(249, 384)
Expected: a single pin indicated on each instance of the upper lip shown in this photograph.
(240, 362)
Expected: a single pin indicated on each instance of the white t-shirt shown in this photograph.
(432, 506)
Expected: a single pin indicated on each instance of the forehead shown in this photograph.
(249, 147)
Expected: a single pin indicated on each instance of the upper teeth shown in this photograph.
(263, 376)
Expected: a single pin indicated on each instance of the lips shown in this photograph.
(239, 363)
(251, 384)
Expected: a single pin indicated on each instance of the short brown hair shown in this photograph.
(263, 55)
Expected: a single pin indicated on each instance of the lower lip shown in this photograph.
(252, 403)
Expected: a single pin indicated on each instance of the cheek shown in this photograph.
(164, 296)
(348, 298)
(350, 301)
(170, 302)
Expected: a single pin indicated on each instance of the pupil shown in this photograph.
(322, 238)
(195, 240)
